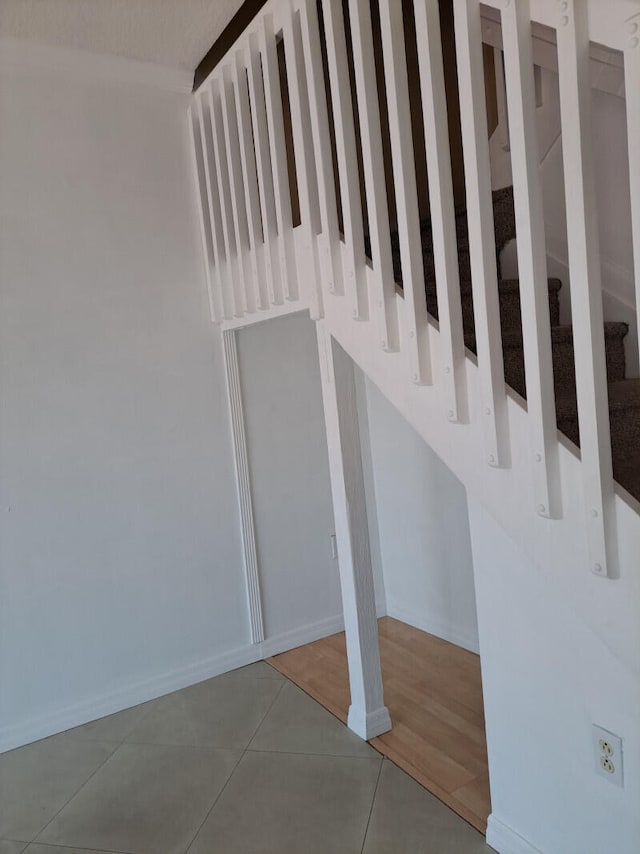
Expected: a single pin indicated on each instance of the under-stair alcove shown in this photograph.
(421, 561)
(421, 553)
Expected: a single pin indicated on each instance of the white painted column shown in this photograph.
(368, 716)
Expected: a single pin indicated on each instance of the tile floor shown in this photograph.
(245, 762)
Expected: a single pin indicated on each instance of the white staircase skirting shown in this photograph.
(505, 840)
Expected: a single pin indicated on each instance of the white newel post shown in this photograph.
(368, 716)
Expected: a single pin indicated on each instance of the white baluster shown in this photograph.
(277, 141)
(273, 245)
(305, 164)
(532, 259)
(355, 284)
(234, 267)
(404, 174)
(632, 90)
(250, 180)
(212, 272)
(330, 244)
(443, 222)
(486, 304)
(214, 197)
(385, 307)
(586, 287)
(238, 209)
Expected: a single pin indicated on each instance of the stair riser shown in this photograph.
(563, 365)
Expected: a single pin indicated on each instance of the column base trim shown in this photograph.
(369, 724)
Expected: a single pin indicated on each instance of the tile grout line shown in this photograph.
(71, 848)
(235, 767)
(118, 744)
(373, 801)
(77, 792)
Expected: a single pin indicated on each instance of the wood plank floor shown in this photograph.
(433, 691)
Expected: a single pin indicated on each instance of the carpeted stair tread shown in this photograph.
(626, 470)
(623, 395)
(505, 286)
(624, 417)
(563, 356)
(563, 334)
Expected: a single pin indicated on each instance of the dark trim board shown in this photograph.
(240, 21)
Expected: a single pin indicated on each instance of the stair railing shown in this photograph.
(258, 264)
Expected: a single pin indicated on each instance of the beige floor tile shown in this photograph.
(148, 799)
(406, 819)
(114, 727)
(36, 848)
(282, 803)
(222, 712)
(37, 780)
(8, 847)
(297, 724)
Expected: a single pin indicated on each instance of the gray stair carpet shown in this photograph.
(624, 393)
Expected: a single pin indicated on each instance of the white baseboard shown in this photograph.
(433, 626)
(298, 637)
(59, 720)
(505, 840)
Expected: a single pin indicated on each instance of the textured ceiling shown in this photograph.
(175, 33)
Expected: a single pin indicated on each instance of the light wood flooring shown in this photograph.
(433, 691)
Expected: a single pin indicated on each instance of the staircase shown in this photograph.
(624, 394)
(533, 417)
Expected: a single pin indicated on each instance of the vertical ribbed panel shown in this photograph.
(244, 485)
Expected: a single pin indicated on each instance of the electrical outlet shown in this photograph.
(334, 547)
(607, 752)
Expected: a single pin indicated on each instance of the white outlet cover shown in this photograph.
(607, 746)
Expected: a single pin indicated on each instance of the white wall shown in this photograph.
(423, 529)
(120, 570)
(547, 677)
(289, 469)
